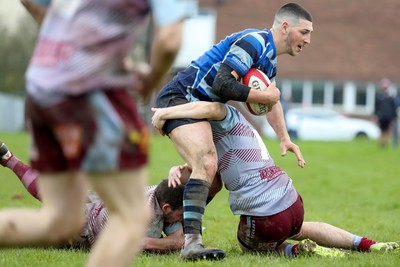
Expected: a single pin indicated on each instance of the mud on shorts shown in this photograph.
(170, 96)
(265, 234)
(97, 131)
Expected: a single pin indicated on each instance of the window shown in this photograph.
(361, 95)
(343, 96)
(297, 92)
(318, 93)
(338, 94)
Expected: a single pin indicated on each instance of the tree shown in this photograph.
(15, 51)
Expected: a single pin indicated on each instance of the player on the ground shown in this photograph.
(165, 204)
(214, 77)
(271, 210)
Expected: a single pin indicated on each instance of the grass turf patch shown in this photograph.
(352, 185)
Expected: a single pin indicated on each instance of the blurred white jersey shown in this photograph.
(82, 44)
(257, 187)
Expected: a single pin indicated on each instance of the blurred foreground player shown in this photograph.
(84, 124)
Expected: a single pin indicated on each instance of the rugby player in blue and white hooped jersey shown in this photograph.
(215, 76)
(84, 123)
(257, 187)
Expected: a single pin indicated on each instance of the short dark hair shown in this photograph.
(172, 196)
(295, 10)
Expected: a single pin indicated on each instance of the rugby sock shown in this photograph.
(362, 243)
(194, 201)
(291, 250)
(24, 172)
(5, 154)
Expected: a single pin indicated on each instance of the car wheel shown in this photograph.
(361, 135)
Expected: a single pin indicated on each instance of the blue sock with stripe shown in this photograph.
(356, 241)
(194, 201)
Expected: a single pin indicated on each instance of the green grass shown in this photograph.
(354, 186)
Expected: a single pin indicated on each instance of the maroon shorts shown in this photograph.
(94, 132)
(264, 234)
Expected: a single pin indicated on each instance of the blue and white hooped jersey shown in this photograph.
(257, 187)
(251, 48)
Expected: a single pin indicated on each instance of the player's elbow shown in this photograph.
(171, 48)
(170, 39)
(217, 111)
(227, 87)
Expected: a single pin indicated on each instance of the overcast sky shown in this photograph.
(10, 11)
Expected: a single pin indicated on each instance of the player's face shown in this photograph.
(298, 37)
(173, 216)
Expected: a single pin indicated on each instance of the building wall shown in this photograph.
(352, 39)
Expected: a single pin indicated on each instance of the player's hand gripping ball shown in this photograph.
(257, 79)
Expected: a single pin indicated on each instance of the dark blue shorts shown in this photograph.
(170, 96)
(384, 124)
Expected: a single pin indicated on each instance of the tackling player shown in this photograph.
(271, 210)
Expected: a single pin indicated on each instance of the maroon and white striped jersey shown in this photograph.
(257, 187)
(97, 216)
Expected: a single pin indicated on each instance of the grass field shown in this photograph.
(354, 186)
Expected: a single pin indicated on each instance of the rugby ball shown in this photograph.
(257, 79)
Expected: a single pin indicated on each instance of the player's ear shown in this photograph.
(166, 207)
(285, 27)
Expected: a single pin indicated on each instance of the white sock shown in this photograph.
(193, 239)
